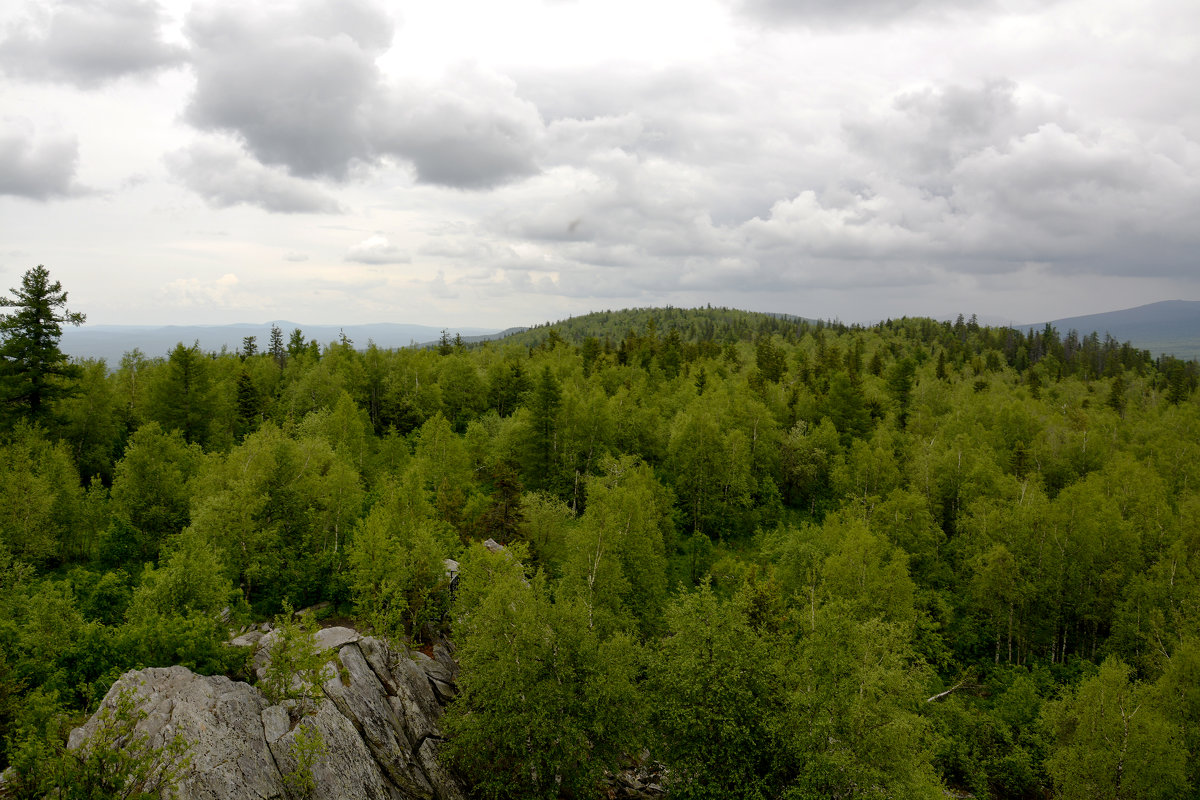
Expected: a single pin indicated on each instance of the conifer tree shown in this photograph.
(33, 370)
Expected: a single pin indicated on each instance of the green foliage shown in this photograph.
(711, 467)
(116, 761)
(541, 448)
(615, 562)
(875, 516)
(175, 614)
(503, 518)
(42, 510)
(180, 397)
(27, 505)
(996, 751)
(545, 704)
(151, 490)
(808, 455)
(190, 580)
(307, 748)
(296, 666)
(92, 423)
(281, 509)
(708, 680)
(397, 575)
(1109, 738)
(851, 724)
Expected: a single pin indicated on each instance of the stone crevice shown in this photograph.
(274, 762)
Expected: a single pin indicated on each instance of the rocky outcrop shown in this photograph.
(378, 721)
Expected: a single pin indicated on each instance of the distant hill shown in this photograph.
(110, 342)
(1171, 327)
(693, 325)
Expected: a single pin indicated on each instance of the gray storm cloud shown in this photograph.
(291, 85)
(88, 42)
(469, 132)
(37, 167)
(840, 146)
(300, 87)
(224, 177)
(982, 178)
(860, 13)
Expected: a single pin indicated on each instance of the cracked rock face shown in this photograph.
(378, 721)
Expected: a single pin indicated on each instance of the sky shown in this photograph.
(500, 164)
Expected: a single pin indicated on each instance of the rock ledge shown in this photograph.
(378, 720)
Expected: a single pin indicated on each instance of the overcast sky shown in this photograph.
(507, 163)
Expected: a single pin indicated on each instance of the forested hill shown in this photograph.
(671, 333)
(690, 325)
(784, 558)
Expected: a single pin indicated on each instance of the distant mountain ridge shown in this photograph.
(1169, 327)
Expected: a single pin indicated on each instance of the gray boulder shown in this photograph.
(378, 720)
(221, 720)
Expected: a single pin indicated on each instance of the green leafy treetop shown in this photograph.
(116, 761)
(296, 670)
(32, 368)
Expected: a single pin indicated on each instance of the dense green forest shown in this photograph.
(785, 558)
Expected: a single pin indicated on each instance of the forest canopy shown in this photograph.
(783, 557)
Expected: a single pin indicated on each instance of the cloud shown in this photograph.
(292, 81)
(1095, 201)
(924, 132)
(998, 175)
(824, 14)
(470, 131)
(293, 256)
(377, 250)
(854, 227)
(37, 168)
(88, 42)
(982, 179)
(439, 288)
(619, 198)
(224, 177)
(188, 292)
(299, 85)
(742, 144)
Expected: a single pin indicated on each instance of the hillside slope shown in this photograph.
(1171, 327)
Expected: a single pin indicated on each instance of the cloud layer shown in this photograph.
(87, 42)
(888, 146)
(224, 176)
(377, 250)
(37, 167)
(298, 84)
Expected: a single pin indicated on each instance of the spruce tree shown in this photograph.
(33, 371)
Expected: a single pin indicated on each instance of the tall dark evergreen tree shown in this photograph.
(276, 347)
(503, 519)
(249, 406)
(544, 402)
(181, 397)
(296, 346)
(33, 371)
